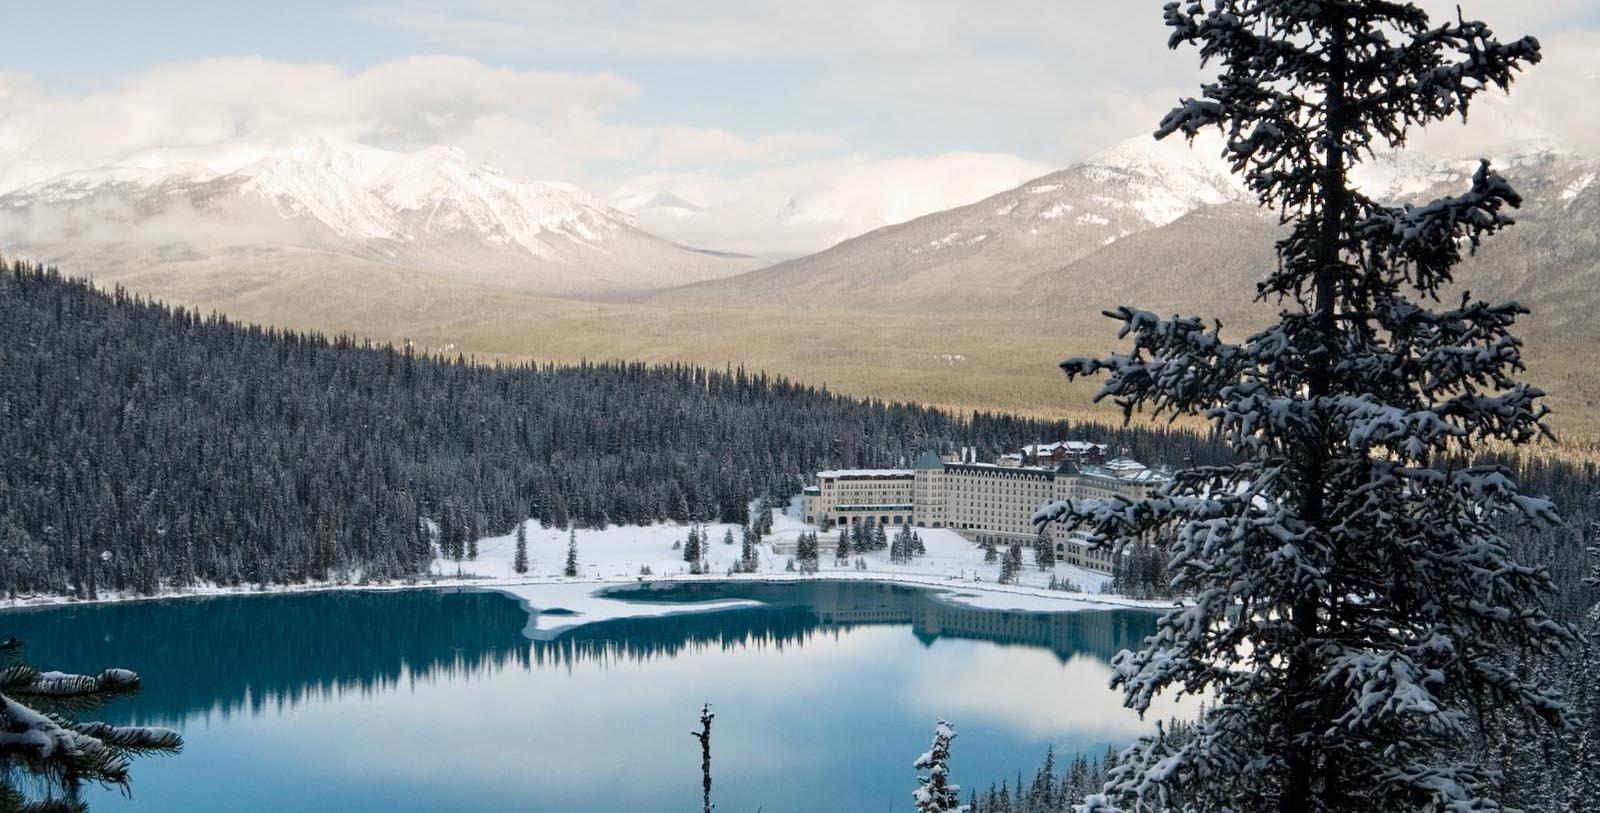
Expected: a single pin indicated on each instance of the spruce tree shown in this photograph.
(1044, 550)
(691, 548)
(1351, 597)
(806, 552)
(519, 561)
(572, 552)
(937, 794)
(841, 554)
(43, 739)
(748, 554)
(1009, 565)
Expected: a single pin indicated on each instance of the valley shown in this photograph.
(970, 308)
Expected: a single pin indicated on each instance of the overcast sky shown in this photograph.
(793, 124)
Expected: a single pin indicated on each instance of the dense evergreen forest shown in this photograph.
(148, 448)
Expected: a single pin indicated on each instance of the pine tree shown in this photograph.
(806, 552)
(727, 537)
(1009, 564)
(1351, 595)
(691, 548)
(937, 794)
(1044, 550)
(841, 554)
(572, 552)
(989, 552)
(748, 551)
(1042, 794)
(519, 561)
(41, 737)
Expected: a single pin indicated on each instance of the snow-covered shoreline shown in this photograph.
(953, 570)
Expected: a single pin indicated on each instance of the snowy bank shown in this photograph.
(952, 568)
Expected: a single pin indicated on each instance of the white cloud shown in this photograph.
(678, 145)
(531, 123)
(806, 207)
(1554, 99)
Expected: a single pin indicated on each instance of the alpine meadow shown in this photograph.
(444, 405)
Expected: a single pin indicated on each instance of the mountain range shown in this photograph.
(968, 307)
(346, 207)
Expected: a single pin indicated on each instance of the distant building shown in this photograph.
(985, 502)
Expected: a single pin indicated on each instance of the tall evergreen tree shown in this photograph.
(572, 552)
(1044, 550)
(937, 794)
(749, 555)
(1011, 563)
(519, 560)
(691, 547)
(806, 552)
(1352, 596)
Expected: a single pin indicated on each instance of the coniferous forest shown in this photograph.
(149, 448)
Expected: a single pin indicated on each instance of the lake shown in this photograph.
(451, 700)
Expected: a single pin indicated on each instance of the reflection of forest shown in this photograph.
(254, 653)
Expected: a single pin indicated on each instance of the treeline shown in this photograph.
(1059, 787)
(1542, 771)
(144, 447)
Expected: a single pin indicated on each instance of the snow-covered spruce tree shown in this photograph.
(936, 794)
(43, 744)
(572, 552)
(1350, 600)
(748, 555)
(1044, 550)
(691, 548)
(519, 560)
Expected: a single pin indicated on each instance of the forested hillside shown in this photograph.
(146, 448)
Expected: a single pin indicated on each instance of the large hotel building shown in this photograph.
(985, 502)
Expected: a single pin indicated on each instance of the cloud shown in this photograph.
(1552, 100)
(536, 124)
(1079, 700)
(677, 146)
(805, 207)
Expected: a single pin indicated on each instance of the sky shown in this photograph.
(786, 125)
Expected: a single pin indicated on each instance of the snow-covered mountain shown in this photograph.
(986, 249)
(433, 210)
(1166, 226)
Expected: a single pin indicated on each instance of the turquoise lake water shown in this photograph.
(428, 700)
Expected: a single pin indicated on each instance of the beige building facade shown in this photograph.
(987, 503)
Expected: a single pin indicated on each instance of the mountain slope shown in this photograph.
(986, 249)
(432, 210)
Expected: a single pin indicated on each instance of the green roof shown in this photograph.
(928, 460)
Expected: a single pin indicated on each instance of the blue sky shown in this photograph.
(872, 111)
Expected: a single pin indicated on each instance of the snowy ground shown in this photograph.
(620, 555)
